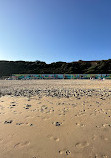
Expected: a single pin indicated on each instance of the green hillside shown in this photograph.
(8, 68)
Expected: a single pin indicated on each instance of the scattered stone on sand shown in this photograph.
(13, 105)
(19, 123)
(55, 103)
(57, 123)
(28, 105)
(26, 108)
(53, 91)
(67, 152)
(8, 122)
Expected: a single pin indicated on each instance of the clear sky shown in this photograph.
(55, 30)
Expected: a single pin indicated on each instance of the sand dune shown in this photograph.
(55, 119)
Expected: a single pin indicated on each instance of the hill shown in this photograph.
(8, 68)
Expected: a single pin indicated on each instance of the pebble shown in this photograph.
(8, 122)
(58, 123)
(54, 92)
(19, 123)
(67, 152)
(13, 105)
(28, 106)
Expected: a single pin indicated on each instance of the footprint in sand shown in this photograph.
(94, 137)
(80, 114)
(103, 138)
(53, 138)
(45, 118)
(80, 124)
(21, 144)
(56, 139)
(102, 156)
(81, 145)
(36, 156)
(1, 140)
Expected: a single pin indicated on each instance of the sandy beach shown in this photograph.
(55, 119)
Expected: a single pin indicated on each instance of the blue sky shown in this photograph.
(55, 30)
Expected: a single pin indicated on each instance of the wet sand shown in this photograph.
(55, 119)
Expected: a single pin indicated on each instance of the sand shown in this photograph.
(55, 119)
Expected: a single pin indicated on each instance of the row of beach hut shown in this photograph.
(60, 76)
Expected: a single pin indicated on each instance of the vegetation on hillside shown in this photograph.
(8, 68)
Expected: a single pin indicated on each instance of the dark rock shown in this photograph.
(8, 122)
(67, 152)
(28, 106)
(13, 105)
(58, 123)
(19, 123)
